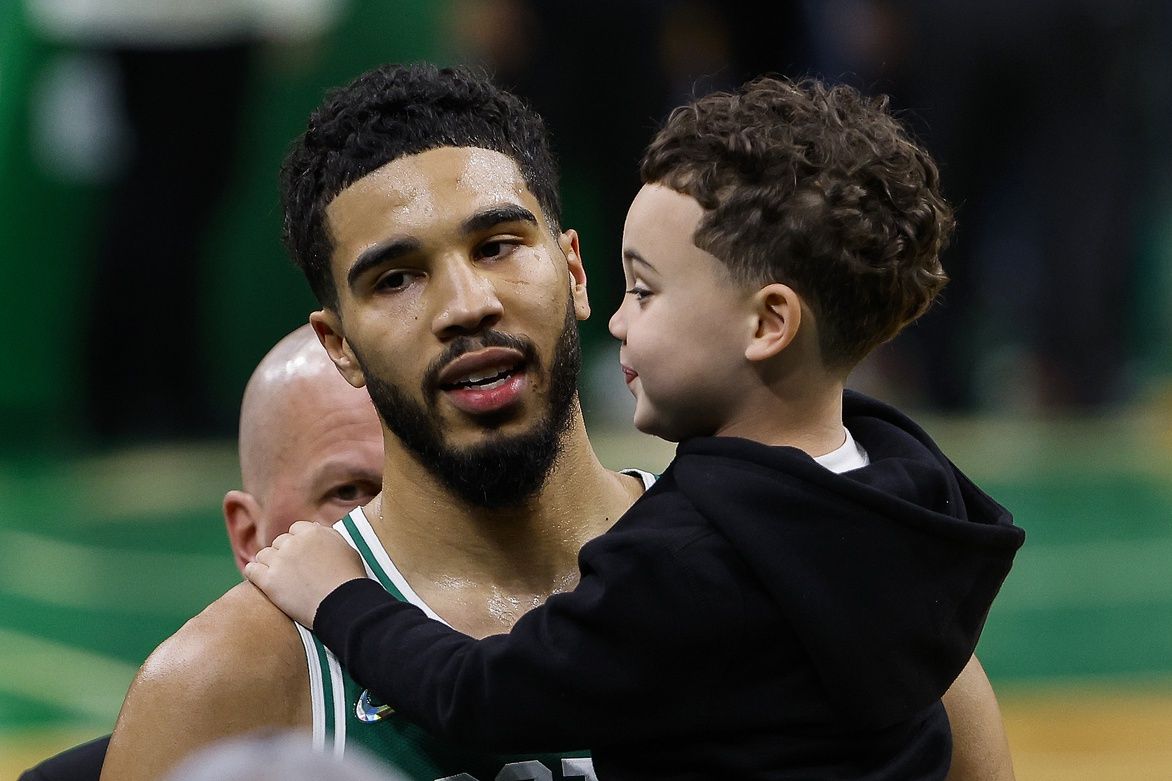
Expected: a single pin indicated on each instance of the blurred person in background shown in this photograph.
(282, 756)
(310, 448)
(434, 185)
(1041, 115)
(178, 73)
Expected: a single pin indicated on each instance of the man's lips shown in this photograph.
(484, 381)
(479, 367)
(629, 374)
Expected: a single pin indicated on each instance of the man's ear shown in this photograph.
(328, 327)
(777, 316)
(568, 242)
(243, 517)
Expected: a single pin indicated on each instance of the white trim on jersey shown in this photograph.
(647, 478)
(340, 704)
(380, 555)
(341, 529)
(316, 694)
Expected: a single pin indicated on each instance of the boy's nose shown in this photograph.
(618, 322)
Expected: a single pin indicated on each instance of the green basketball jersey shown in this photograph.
(346, 714)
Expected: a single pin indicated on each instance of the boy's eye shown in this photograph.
(639, 293)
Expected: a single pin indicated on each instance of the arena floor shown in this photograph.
(105, 555)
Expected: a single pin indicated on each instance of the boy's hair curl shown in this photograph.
(819, 188)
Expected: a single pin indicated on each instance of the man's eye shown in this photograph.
(394, 280)
(347, 493)
(496, 249)
(352, 493)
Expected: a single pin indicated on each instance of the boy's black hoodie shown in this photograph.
(753, 616)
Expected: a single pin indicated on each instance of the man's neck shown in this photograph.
(480, 569)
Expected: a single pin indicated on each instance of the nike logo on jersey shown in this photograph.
(369, 710)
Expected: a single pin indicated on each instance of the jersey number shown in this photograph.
(532, 770)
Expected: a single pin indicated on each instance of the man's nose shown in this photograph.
(468, 301)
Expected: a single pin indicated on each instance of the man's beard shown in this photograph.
(504, 470)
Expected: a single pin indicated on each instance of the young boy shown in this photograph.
(793, 596)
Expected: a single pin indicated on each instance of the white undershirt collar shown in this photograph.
(849, 455)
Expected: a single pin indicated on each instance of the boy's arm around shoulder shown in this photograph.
(980, 749)
(236, 667)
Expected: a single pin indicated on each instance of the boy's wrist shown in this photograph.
(337, 613)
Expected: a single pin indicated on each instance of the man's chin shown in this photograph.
(498, 469)
(489, 438)
(471, 432)
(500, 458)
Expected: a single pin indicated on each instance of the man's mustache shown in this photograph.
(467, 344)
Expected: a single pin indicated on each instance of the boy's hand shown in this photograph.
(302, 567)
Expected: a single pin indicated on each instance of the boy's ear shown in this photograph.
(777, 313)
(328, 327)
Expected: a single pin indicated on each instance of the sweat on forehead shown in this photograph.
(408, 202)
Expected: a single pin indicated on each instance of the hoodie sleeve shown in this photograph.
(616, 660)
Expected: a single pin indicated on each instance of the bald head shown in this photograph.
(310, 445)
(294, 376)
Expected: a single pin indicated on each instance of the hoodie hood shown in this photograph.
(886, 572)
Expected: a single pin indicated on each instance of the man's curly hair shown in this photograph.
(391, 112)
(818, 188)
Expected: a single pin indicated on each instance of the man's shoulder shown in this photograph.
(236, 667)
(236, 647)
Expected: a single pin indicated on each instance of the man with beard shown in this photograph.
(422, 206)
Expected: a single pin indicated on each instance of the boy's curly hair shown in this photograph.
(818, 188)
(391, 112)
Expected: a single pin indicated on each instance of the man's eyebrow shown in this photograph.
(380, 253)
(496, 215)
(635, 257)
(343, 470)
